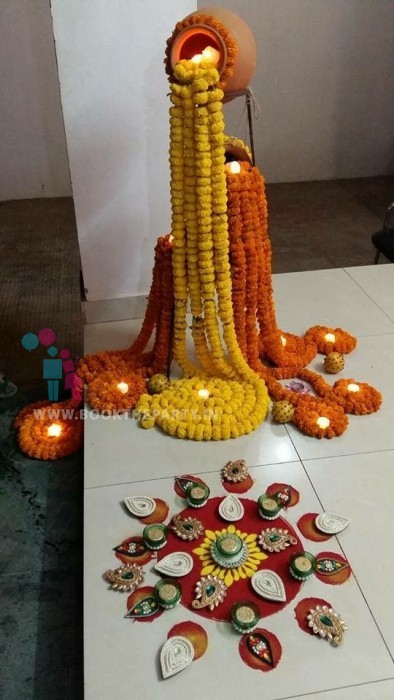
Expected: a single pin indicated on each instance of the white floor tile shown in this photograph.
(360, 487)
(121, 657)
(120, 451)
(382, 690)
(371, 362)
(326, 298)
(378, 282)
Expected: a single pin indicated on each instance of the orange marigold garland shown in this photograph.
(355, 397)
(115, 391)
(331, 339)
(158, 314)
(319, 419)
(49, 431)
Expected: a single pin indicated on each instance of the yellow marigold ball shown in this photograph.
(147, 421)
(157, 383)
(282, 411)
(334, 362)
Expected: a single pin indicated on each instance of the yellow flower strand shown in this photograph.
(201, 271)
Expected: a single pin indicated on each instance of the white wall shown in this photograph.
(33, 155)
(325, 83)
(113, 89)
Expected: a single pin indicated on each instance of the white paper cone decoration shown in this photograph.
(231, 508)
(269, 585)
(175, 564)
(176, 655)
(330, 523)
(140, 506)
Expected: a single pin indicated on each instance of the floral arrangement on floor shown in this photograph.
(49, 431)
(216, 263)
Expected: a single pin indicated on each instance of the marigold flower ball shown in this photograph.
(147, 421)
(282, 411)
(334, 362)
(157, 383)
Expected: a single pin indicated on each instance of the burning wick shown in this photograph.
(171, 238)
(209, 54)
(283, 340)
(323, 422)
(353, 387)
(233, 167)
(54, 430)
(203, 393)
(329, 337)
(123, 387)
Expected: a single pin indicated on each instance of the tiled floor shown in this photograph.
(351, 475)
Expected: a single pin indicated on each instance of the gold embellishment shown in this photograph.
(235, 471)
(210, 591)
(125, 578)
(275, 539)
(325, 622)
(187, 528)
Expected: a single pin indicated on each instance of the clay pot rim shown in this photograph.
(208, 31)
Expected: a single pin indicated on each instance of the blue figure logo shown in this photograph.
(53, 372)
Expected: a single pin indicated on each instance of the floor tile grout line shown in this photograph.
(195, 473)
(344, 554)
(366, 293)
(340, 456)
(254, 466)
(331, 690)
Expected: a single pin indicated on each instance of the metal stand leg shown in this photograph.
(250, 124)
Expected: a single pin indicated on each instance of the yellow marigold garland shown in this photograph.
(232, 409)
(201, 268)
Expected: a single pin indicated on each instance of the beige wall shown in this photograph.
(325, 84)
(33, 155)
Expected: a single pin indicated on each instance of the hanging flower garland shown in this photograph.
(158, 316)
(201, 271)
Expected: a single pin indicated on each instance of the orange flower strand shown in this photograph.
(105, 396)
(366, 400)
(309, 410)
(344, 341)
(158, 314)
(33, 423)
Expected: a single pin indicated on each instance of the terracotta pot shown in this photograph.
(235, 149)
(194, 38)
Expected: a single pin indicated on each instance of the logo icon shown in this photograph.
(59, 365)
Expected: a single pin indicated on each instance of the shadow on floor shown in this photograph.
(41, 517)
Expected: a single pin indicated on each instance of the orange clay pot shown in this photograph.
(193, 39)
